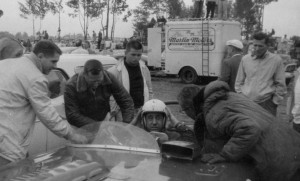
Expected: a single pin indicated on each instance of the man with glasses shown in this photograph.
(87, 96)
(261, 75)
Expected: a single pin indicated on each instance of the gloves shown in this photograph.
(212, 158)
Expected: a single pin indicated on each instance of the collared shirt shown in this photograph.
(261, 78)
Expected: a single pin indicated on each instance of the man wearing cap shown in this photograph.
(87, 96)
(135, 77)
(230, 65)
(261, 75)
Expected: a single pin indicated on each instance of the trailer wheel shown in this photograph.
(188, 75)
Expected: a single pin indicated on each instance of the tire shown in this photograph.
(188, 75)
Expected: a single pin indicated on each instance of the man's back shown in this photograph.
(229, 70)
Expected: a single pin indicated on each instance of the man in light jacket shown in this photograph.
(24, 96)
(135, 77)
(261, 75)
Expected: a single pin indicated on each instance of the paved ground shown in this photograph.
(167, 89)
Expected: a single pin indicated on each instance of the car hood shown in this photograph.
(106, 160)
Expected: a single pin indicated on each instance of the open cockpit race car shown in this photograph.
(119, 151)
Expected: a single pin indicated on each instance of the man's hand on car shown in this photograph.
(212, 158)
(79, 136)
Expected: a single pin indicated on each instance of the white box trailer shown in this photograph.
(193, 49)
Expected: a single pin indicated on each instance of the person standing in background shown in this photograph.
(231, 64)
(198, 6)
(99, 40)
(222, 9)
(261, 75)
(210, 8)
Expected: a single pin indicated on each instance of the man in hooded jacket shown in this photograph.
(238, 128)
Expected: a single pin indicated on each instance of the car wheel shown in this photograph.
(188, 75)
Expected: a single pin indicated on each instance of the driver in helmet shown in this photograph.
(155, 117)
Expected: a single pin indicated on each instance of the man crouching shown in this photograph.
(87, 96)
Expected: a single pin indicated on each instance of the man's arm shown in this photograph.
(225, 72)
(240, 78)
(279, 82)
(72, 108)
(149, 83)
(47, 114)
(123, 99)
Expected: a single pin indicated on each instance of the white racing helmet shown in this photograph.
(154, 106)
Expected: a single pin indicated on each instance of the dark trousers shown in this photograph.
(210, 8)
(270, 106)
(198, 9)
(99, 43)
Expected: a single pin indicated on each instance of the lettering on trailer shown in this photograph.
(190, 39)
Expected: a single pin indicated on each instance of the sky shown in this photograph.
(283, 16)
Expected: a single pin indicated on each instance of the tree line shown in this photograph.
(247, 12)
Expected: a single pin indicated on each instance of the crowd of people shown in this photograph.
(234, 117)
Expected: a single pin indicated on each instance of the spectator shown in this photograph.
(125, 43)
(88, 93)
(28, 46)
(135, 77)
(24, 96)
(99, 40)
(46, 36)
(10, 48)
(261, 75)
(222, 9)
(210, 8)
(198, 6)
(94, 37)
(231, 64)
(232, 128)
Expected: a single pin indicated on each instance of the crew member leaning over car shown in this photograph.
(232, 127)
(155, 117)
(23, 97)
(87, 96)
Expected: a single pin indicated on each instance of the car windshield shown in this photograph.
(118, 135)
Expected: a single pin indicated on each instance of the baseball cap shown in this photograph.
(236, 43)
(93, 66)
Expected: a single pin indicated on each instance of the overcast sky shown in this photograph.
(283, 16)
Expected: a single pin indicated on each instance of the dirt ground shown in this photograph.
(167, 89)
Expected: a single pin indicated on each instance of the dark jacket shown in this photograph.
(230, 67)
(246, 129)
(84, 107)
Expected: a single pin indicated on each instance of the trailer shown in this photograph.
(192, 49)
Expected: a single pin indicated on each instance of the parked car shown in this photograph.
(43, 139)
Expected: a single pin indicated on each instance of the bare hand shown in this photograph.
(212, 158)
